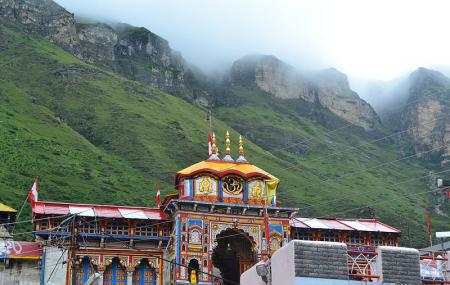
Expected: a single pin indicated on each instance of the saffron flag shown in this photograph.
(33, 194)
(271, 190)
(158, 196)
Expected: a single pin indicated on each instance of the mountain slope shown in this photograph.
(94, 136)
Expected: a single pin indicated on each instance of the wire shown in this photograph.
(20, 211)
(365, 193)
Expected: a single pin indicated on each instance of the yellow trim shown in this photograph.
(4, 208)
(25, 257)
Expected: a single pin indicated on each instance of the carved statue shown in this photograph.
(193, 277)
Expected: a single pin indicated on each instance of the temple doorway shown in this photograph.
(233, 255)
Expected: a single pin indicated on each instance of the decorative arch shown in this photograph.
(144, 273)
(252, 232)
(115, 272)
(84, 267)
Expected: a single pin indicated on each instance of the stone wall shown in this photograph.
(399, 265)
(325, 263)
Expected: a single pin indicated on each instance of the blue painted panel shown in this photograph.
(277, 228)
(195, 222)
(220, 190)
(191, 185)
(245, 193)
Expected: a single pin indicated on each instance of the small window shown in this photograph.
(117, 228)
(300, 235)
(147, 230)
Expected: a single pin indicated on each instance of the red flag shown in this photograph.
(158, 196)
(428, 224)
(33, 194)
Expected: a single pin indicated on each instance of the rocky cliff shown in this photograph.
(134, 52)
(329, 88)
(426, 115)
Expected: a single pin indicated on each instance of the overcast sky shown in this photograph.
(378, 39)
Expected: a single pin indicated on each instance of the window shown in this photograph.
(117, 228)
(390, 242)
(87, 227)
(146, 230)
(329, 237)
(376, 241)
(303, 235)
(45, 225)
(355, 239)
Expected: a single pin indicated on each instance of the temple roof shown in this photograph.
(222, 168)
(365, 225)
(104, 211)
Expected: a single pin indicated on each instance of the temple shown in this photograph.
(223, 218)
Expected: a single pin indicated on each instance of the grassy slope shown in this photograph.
(93, 136)
(348, 184)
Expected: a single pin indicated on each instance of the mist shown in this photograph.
(373, 40)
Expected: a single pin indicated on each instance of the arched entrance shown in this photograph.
(84, 269)
(144, 273)
(115, 273)
(233, 254)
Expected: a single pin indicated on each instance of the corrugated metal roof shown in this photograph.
(367, 225)
(105, 211)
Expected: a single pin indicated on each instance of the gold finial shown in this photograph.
(227, 144)
(214, 149)
(241, 146)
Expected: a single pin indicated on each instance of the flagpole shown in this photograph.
(429, 226)
(266, 222)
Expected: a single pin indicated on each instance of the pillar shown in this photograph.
(130, 275)
(100, 279)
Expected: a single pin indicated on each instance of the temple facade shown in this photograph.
(223, 218)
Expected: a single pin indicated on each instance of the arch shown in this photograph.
(84, 268)
(115, 273)
(234, 254)
(193, 270)
(144, 273)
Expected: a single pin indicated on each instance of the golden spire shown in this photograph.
(241, 146)
(214, 149)
(227, 144)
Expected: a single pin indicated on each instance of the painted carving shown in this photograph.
(205, 185)
(195, 237)
(232, 185)
(257, 190)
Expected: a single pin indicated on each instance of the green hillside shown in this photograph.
(94, 136)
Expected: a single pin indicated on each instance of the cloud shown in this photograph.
(374, 39)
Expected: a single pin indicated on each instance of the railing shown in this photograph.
(434, 267)
(361, 261)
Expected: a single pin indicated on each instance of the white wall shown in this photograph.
(20, 272)
(51, 257)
